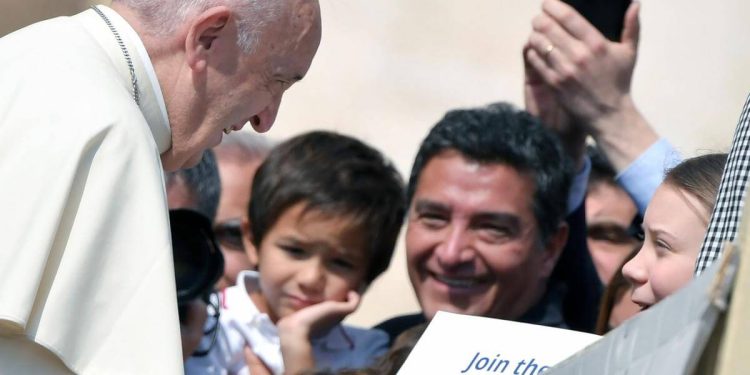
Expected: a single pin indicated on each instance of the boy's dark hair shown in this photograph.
(337, 175)
(501, 134)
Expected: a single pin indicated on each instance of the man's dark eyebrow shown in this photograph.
(498, 217)
(428, 205)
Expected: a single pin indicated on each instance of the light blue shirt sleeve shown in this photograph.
(641, 178)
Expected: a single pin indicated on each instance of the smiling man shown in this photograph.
(487, 195)
(93, 109)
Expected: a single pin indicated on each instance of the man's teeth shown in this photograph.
(227, 130)
(459, 283)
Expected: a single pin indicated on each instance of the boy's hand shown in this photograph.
(318, 317)
(254, 363)
(296, 329)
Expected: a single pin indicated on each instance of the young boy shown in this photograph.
(325, 213)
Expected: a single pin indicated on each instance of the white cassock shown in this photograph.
(86, 274)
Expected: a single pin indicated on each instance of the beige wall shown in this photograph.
(388, 69)
(15, 14)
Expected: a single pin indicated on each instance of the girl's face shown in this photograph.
(674, 226)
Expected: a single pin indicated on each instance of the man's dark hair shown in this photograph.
(601, 169)
(501, 134)
(336, 175)
(203, 182)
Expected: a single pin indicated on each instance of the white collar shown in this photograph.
(240, 313)
(152, 103)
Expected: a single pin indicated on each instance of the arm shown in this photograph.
(641, 178)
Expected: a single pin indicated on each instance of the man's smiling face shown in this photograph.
(472, 241)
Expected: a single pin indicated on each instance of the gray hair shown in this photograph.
(162, 17)
(243, 146)
(203, 183)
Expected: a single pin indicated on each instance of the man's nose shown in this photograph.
(455, 248)
(267, 116)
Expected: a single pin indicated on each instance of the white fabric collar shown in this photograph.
(256, 327)
(152, 103)
(242, 312)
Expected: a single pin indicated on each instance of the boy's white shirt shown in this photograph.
(242, 324)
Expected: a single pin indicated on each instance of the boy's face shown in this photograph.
(307, 258)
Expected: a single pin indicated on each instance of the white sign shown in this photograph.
(466, 345)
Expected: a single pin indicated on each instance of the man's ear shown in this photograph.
(203, 31)
(247, 242)
(553, 248)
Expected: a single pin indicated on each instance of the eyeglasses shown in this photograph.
(229, 234)
(212, 326)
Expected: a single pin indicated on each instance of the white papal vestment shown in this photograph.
(86, 274)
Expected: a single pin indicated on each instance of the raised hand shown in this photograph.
(589, 78)
(590, 74)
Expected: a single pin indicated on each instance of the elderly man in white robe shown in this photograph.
(93, 109)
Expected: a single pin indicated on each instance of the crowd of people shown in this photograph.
(571, 213)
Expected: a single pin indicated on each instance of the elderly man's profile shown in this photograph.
(93, 109)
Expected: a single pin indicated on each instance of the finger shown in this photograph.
(353, 299)
(531, 76)
(340, 308)
(632, 29)
(573, 22)
(554, 59)
(548, 76)
(554, 33)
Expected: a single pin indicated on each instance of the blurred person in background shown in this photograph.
(197, 188)
(616, 306)
(612, 219)
(238, 155)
